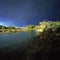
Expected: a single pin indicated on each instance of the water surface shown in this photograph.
(15, 38)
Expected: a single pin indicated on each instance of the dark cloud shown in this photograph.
(28, 11)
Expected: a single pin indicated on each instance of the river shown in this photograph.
(14, 39)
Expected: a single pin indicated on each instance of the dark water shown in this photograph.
(15, 38)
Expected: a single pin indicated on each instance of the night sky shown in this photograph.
(26, 12)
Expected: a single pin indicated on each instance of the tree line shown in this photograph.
(8, 29)
(45, 25)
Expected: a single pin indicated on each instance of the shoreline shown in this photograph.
(10, 32)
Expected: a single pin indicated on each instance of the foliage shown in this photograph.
(9, 28)
(50, 24)
(2, 26)
(30, 27)
(18, 28)
(3, 29)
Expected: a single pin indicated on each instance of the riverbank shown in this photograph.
(46, 46)
(12, 31)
